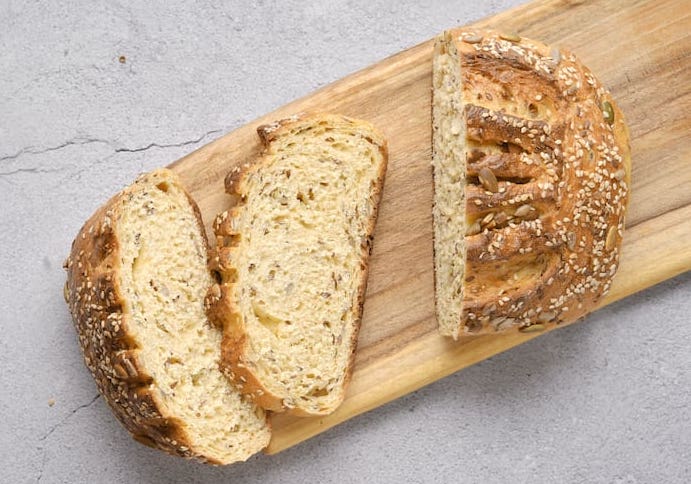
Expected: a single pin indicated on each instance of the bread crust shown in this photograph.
(97, 304)
(563, 171)
(220, 307)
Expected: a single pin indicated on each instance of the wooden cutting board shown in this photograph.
(641, 50)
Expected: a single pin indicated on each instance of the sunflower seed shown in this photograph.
(505, 323)
(496, 322)
(555, 55)
(489, 309)
(474, 229)
(500, 218)
(571, 240)
(119, 371)
(523, 210)
(472, 39)
(473, 326)
(455, 126)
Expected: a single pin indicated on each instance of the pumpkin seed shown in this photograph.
(511, 37)
(487, 219)
(534, 328)
(546, 316)
(611, 238)
(608, 112)
(488, 180)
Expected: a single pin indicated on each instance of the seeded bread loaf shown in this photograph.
(293, 258)
(531, 174)
(136, 280)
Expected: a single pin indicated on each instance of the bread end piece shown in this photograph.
(122, 298)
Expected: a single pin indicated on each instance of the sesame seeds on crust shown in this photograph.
(563, 183)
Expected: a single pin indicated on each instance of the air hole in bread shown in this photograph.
(532, 109)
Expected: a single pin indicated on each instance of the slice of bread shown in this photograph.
(531, 175)
(293, 258)
(136, 280)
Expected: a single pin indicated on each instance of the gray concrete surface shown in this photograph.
(603, 401)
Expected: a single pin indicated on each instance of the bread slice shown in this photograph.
(531, 176)
(293, 257)
(136, 280)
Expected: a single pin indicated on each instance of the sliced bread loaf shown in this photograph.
(531, 176)
(293, 258)
(136, 280)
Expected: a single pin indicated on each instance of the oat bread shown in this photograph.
(136, 280)
(531, 175)
(293, 258)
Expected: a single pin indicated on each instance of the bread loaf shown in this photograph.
(531, 175)
(293, 258)
(136, 280)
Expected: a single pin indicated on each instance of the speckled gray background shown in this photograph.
(603, 401)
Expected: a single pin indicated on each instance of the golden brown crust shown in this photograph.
(548, 174)
(219, 299)
(96, 303)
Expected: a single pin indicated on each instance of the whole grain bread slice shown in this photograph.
(293, 259)
(136, 279)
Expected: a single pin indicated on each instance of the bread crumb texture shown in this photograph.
(531, 173)
(293, 258)
(137, 277)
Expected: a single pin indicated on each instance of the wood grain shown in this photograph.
(640, 49)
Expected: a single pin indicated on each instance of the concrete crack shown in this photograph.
(172, 145)
(64, 420)
(27, 170)
(85, 141)
(54, 428)
(37, 151)
(43, 466)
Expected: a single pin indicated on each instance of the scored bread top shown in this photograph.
(293, 258)
(548, 171)
(130, 349)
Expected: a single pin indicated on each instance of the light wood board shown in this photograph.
(641, 50)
